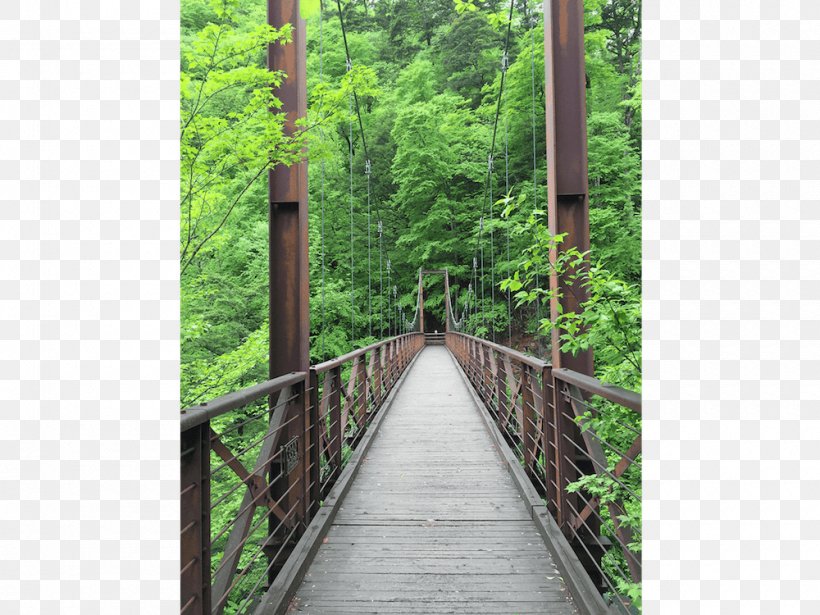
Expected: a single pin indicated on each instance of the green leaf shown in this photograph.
(308, 8)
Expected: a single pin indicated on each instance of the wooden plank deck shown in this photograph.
(433, 522)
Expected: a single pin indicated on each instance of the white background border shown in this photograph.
(89, 310)
(731, 318)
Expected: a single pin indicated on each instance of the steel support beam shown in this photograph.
(568, 212)
(567, 181)
(195, 520)
(289, 323)
(447, 314)
(288, 219)
(421, 301)
(447, 306)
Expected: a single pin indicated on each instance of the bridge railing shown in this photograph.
(257, 463)
(579, 442)
(350, 389)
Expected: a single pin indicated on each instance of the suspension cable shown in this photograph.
(322, 179)
(492, 257)
(475, 292)
(368, 169)
(350, 155)
(398, 311)
(507, 192)
(534, 153)
(488, 180)
(350, 65)
(481, 231)
(369, 275)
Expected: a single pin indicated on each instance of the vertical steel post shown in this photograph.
(288, 263)
(529, 420)
(549, 443)
(314, 440)
(567, 181)
(505, 407)
(337, 430)
(568, 212)
(195, 520)
(421, 302)
(300, 474)
(378, 378)
(446, 302)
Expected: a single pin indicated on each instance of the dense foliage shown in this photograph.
(426, 75)
(427, 79)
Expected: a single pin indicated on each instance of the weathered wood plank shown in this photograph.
(355, 580)
(401, 594)
(453, 566)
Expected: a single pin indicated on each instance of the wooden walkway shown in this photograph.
(433, 522)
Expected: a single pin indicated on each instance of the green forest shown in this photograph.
(427, 77)
(398, 144)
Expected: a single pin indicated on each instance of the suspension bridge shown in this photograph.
(429, 472)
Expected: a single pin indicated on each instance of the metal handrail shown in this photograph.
(196, 415)
(593, 386)
(533, 362)
(321, 368)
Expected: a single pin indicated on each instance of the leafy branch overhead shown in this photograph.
(228, 137)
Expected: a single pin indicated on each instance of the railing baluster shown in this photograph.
(379, 380)
(528, 419)
(514, 386)
(337, 429)
(301, 471)
(316, 429)
(565, 428)
(361, 395)
(481, 377)
(550, 442)
(493, 384)
(195, 519)
(502, 378)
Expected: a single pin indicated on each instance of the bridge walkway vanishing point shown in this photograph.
(433, 522)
